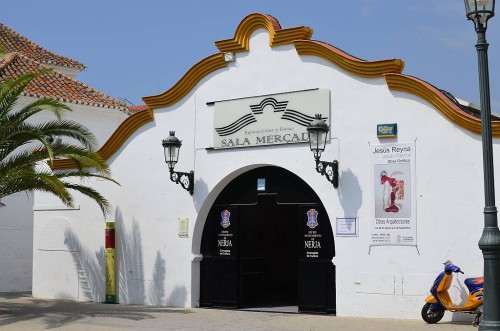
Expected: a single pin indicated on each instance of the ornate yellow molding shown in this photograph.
(300, 37)
(369, 69)
(187, 82)
(277, 35)
(117, 139)
(240, 42)
(429, 93)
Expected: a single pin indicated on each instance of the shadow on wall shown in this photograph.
(350, 193)
(131, 281)
(177, 297)
(464, 294)
(200, 193)
(156, 289)
(90, 268)
(129, 262)
(130, 270)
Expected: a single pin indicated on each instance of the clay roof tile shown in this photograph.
(54, 84)
(14, 42)
(138, 108)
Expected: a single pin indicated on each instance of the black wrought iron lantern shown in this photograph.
(171, 148)
(317, 131)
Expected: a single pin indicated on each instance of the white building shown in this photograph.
(263, 228)
(101, 113)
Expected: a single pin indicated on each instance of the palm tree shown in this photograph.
(26, 147)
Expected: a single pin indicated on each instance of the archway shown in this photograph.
(268, 242)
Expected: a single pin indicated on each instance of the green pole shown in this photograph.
(490, 239)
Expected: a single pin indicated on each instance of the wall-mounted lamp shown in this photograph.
(171, 147)
(318, 132)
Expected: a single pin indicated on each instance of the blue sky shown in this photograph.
(139, 48)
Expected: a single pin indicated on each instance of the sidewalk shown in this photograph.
(22, 312)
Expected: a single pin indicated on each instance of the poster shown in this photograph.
(394, 210)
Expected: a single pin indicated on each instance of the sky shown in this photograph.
(138, 48)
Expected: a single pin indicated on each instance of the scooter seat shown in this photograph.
(474, 284)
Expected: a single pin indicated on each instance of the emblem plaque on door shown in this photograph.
(312, 218)
(225, 222)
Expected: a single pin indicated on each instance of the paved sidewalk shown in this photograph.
(22, 312)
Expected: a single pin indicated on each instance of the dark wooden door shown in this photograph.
(219, 267)
(316, 271)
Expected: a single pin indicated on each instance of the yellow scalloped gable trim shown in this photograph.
(277, 35)
(187, 82)
(369, 69)
(300, 37)
(117, 139)
(424, 90)
(240, 42)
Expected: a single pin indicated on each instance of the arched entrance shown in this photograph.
(268, 242)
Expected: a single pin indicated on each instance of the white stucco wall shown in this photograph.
(16, 236)
(157, 267)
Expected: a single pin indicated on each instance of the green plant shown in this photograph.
(27, 147)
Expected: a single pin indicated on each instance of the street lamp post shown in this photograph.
(480, 11)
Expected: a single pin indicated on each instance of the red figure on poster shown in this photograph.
(394, 188)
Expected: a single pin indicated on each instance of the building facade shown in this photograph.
(263, 227)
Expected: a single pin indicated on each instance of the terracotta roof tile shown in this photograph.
(54, 84)
(14, 42)
(138, 108)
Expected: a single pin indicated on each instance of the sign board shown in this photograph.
(347, 226)
(226, 234)
(313, 244)
(261, 184)
(387, 130)
(394, 219)
(183, 227)
(268, 120)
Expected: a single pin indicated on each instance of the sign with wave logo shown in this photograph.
(269, 119)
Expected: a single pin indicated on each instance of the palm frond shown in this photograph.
(37, 106)
(24, 132)
(103, 203)
(25, 145)
(35, 181)
(83, 175)
(12, 89)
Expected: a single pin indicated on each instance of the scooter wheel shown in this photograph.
(434, 315)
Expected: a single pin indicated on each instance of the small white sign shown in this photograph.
(261, 184)
(347, 226)
(183, 227)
